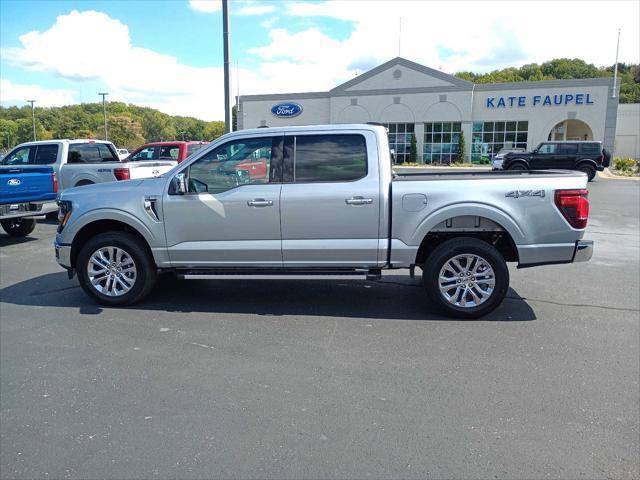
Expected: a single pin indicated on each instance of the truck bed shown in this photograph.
(493, 175)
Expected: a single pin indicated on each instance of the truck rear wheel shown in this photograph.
(589, 170)
(19, 227)
(466, 277)
(116, 269)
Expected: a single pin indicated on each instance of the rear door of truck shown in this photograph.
(330, 200)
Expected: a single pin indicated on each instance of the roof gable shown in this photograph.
(400, 73)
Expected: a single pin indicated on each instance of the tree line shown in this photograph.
(564, 69)
(131, 126)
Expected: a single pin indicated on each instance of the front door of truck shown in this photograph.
(330, 200)
(228, 218)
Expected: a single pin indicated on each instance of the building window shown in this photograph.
(441, 142)
(488, 138)
(400, 135)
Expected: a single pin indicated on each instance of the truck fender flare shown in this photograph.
(102, 214)
(587, 161)
(519, 160)
(463, 209)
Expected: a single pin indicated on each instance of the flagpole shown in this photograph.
(615, 68)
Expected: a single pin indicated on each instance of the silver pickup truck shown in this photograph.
(320, 202)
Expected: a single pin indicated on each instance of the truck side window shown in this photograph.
(568, 148)
(19, 156)
(330, 158)
(169, 152)
(106, 155)
(547, 148)
(46, 154)
(83, 153)
(233, 164)
(149, 153)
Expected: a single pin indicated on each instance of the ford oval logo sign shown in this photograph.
(14, 182)
(286, 110)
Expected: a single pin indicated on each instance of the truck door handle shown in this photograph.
(358, 201)
(260, 202)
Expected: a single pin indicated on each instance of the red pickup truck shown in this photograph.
(178, 151)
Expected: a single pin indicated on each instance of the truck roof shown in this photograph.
(66, 140)
(302, 128)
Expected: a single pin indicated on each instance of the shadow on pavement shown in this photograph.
(6, 240)
(394, 297)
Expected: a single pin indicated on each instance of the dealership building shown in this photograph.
(437, 109)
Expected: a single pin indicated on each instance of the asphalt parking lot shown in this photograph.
(326, 380)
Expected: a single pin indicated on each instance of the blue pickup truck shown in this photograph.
(25, 193)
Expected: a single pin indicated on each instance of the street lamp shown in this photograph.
(33, 117)
(104, 109)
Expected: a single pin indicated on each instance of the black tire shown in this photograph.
(19, 227)
(448, 250)
(518, 166)
(146, 271)
(589, 170)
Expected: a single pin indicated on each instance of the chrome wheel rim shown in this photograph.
(112, 271)
(466, 281)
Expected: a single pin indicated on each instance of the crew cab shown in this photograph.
(328, 207)
(82, 162)
(25, 193)
(583, 156)
(177, 151)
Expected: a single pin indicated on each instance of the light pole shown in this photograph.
(33, 117)
(225, 42)
(615, 69)
(104, 109)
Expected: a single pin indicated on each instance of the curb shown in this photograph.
(606, 173)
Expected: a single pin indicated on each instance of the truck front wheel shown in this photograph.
(116, 269)
(19, 227)
(466, 277)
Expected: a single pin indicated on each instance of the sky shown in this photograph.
(167, 54)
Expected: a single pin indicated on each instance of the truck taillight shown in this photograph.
(54, 181)
(574, 206)
(122, 173)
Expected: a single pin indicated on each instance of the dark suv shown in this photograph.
(587, 157)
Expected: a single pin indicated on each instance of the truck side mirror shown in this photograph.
(178, 184)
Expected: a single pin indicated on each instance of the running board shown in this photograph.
(277, 274)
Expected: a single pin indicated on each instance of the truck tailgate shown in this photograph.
(150, 169)
(21, 185)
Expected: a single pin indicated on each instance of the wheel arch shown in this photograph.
(95, 227)
(478, 221)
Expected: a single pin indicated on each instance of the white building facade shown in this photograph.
(437, 109)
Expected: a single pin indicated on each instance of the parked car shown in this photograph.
(177, 151)
(24, 194)
(583, 156)
(82, 162)
(123, 153)
(499, 157)
(336, 212)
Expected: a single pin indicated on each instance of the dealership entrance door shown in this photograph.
(571, 130)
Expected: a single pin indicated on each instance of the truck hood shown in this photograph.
(109, 192)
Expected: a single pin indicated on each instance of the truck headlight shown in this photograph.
(64, 212)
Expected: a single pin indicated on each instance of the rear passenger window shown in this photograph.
(330, 158)
(145, 154)
(568, 148)
(46, 154)
(83, 153)
(106, 155)
(590, 148)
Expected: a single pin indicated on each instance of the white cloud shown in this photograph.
(255, 10)
(206, 6)
(17, 94)
(268, 23)
(466, 35)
